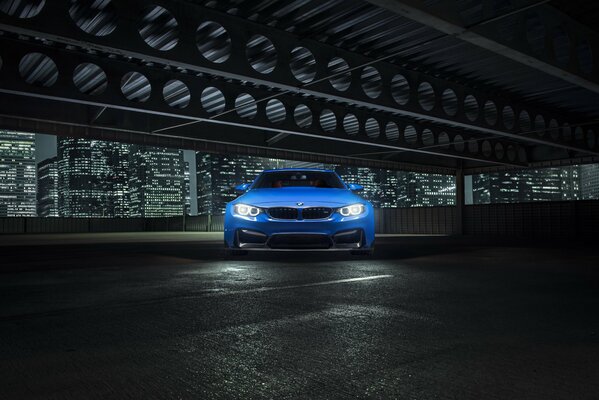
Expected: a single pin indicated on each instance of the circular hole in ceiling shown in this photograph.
(95, 17)
(303, 64)
(328, 121)
(561, 46)
(450, 102)
(276, 111)
(392, 131)
(499, 151)
(213, 42)
(38, 69)
(444, 140)
(487, 148)
(372, 128)
(22, 8)
(342, 75)
(261, 54)
(351, 125)
(471, 108)
(522, 154)
(540, 125)
(159, 28)
(509, 119)
(371, 82)
(176, 94)
(524, 122)
(535, 33)
(302, 116)
(428, 139)
(585, 56)
(426, 96)
(400, 89)
(410, 135)
(458, 143)
(213, 100)
(490, 111)
(136, 87)
(246, 106)
(90, 79)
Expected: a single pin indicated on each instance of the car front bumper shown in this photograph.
(334, 233)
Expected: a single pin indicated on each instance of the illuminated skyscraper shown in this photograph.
(187, 189)
(92, 178)
(388, 189)
(217, 176)
(589, 181)
(547, 184)
(157, 181)
(17, 174)
(370, 178)
(47, 188)
(425, 190)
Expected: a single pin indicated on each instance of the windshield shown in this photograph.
(281, 179)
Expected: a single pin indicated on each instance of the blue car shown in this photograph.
(299, 209)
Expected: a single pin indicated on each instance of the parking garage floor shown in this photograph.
(167, 316)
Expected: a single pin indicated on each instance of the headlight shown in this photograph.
(246, 211)
(354, 209)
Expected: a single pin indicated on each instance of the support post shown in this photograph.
(460, 201)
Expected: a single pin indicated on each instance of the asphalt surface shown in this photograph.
(424, 318)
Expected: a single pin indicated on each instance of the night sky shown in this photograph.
(45, 147)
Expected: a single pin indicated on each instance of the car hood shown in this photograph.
(290, 196)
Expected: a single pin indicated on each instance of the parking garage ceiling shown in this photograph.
(423, 85)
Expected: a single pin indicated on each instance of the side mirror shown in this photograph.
(243, 187)
(354, 187)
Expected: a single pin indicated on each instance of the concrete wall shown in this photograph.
(541, 219)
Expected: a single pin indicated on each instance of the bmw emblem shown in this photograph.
(300, 203)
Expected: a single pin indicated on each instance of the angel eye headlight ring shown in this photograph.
(352, 210)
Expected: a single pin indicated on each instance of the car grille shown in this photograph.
(283, 213)
(316, 213)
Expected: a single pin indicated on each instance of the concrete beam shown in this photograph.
(444, 17)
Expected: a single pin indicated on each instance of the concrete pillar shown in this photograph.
(460, 202)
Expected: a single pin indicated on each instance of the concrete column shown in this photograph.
(460, 202)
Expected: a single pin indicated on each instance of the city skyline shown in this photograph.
(98, 178)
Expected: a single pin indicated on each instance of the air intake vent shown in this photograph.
(316, 213)
(283, 213)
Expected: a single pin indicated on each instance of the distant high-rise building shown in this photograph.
(118, 183)
(589, 181)
(92, 178)
(370, 178)
(547, 184)
(47, 188)
(17, 174)
(157, 181)
(388, 189)
(426, 190)
(217, 176)
(187, 189)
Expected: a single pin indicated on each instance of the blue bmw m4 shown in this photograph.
(299, 209)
